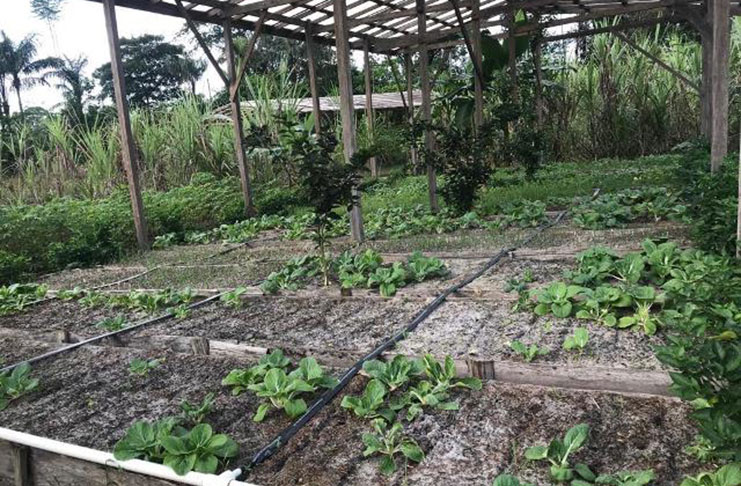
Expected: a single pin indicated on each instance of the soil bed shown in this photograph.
(88, 397)
(56, 315)
(488, 436)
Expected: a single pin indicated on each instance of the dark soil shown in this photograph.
(88, 397)
(489, 435)
(321, 324)
(69, 315)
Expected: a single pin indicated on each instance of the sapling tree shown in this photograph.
(327, 184)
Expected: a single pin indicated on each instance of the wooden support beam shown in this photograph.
(239, 140)
(658, 61)
(537, 63)
(477, 59)
(21, 465)
(424, 84)
(313, 87)
(706, 109)
(128, 150)
(369, 115)
(347, 111)
(738, 208)
(512, 53)
(237, 82)
(410, 99)
(720, 12)
(201, 42)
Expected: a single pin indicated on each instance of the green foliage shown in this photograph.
(388, 279)
(14, 298)
(558, 452)
(395, 373)
(389, 442)
(283, 392)
(627, 478)
(615, 210)
(239, 379)
(508, 480)
(16, 384)
(370, 404)
(292, 275)
(528, 353)
(197, 449)
(421, 268)
(142, 367)
(233, 298)
(522, 214)
(195, 413)
(577, 341)
(112, 323)
(557, 298)
(728, 475)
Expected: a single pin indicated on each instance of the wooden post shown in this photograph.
(738, 208)
(239, 141)
(424, 84)
(478, 85)
(347, 109)
(369, 102)
(512, 46)
(537, 62)
(128, 151)
(706, 114)
(720, 13)
(21, 469)
(311, 61)
(410, 105)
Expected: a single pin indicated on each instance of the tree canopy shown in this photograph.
(154, 70)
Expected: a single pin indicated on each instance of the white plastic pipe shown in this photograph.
(227, 478)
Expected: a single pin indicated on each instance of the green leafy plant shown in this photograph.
(420, 267)
(112, 323)
(728, 475)
(233, 298)
(444, 377)
(283, 392)
(557, 298)
(425, 394)
(558, 452)
(142, 367)
(388, 280)
(395, 373)
(239, 379)
(16, 384)
(626, 478)
(195, 413)
(577, 341)
(389, 442)
(15, 297)
(370, 404)
(509, 480)
(198, 449)
(528, 353)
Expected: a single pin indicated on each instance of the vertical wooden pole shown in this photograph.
(128, 151)
(720, 13)
(738, 207)
(511, 44)
(369, 115)
(410, 104)
(478, 87)
(347, 109)
(538, 65)
(424, 84)
(239, 141)
(311, 61)
(706, 39)
(21, 469)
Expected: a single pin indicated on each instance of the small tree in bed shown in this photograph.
(327, 183)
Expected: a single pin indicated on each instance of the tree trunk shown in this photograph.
(20, 103)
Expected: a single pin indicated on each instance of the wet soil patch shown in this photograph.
(488, 436)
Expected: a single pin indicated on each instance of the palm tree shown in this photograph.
(73, 84)
(18, 63)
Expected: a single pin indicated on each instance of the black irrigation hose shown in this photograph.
(287, 433)
(100, 337)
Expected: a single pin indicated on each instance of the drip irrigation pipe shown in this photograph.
(287, 433)
(106, 335)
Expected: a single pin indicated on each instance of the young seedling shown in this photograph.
(509, 480)
(425, 395)
(233, 298)
(142, 367)
(390, 442)
(558, 452)
(577, 341)
(111, 324)
(194, 413)
(16, 384)
(393, 374)
(283, 392)
(444, 377)
(625, 478)
(370, 404)
(557, 298)
(528, 353)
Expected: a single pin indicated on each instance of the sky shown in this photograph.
(80, 30)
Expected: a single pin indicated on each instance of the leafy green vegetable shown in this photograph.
(389, 442)
(233, 298)
(111, 324)
(16, 384)
(728, 475)
(577, 341)
(195, 413)
(528, 353)
(557, 298)
(508, 480)
(395, 373)
(558, 452)
(283, 392)
(388, 280)
(370, 403)
(142, 367)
